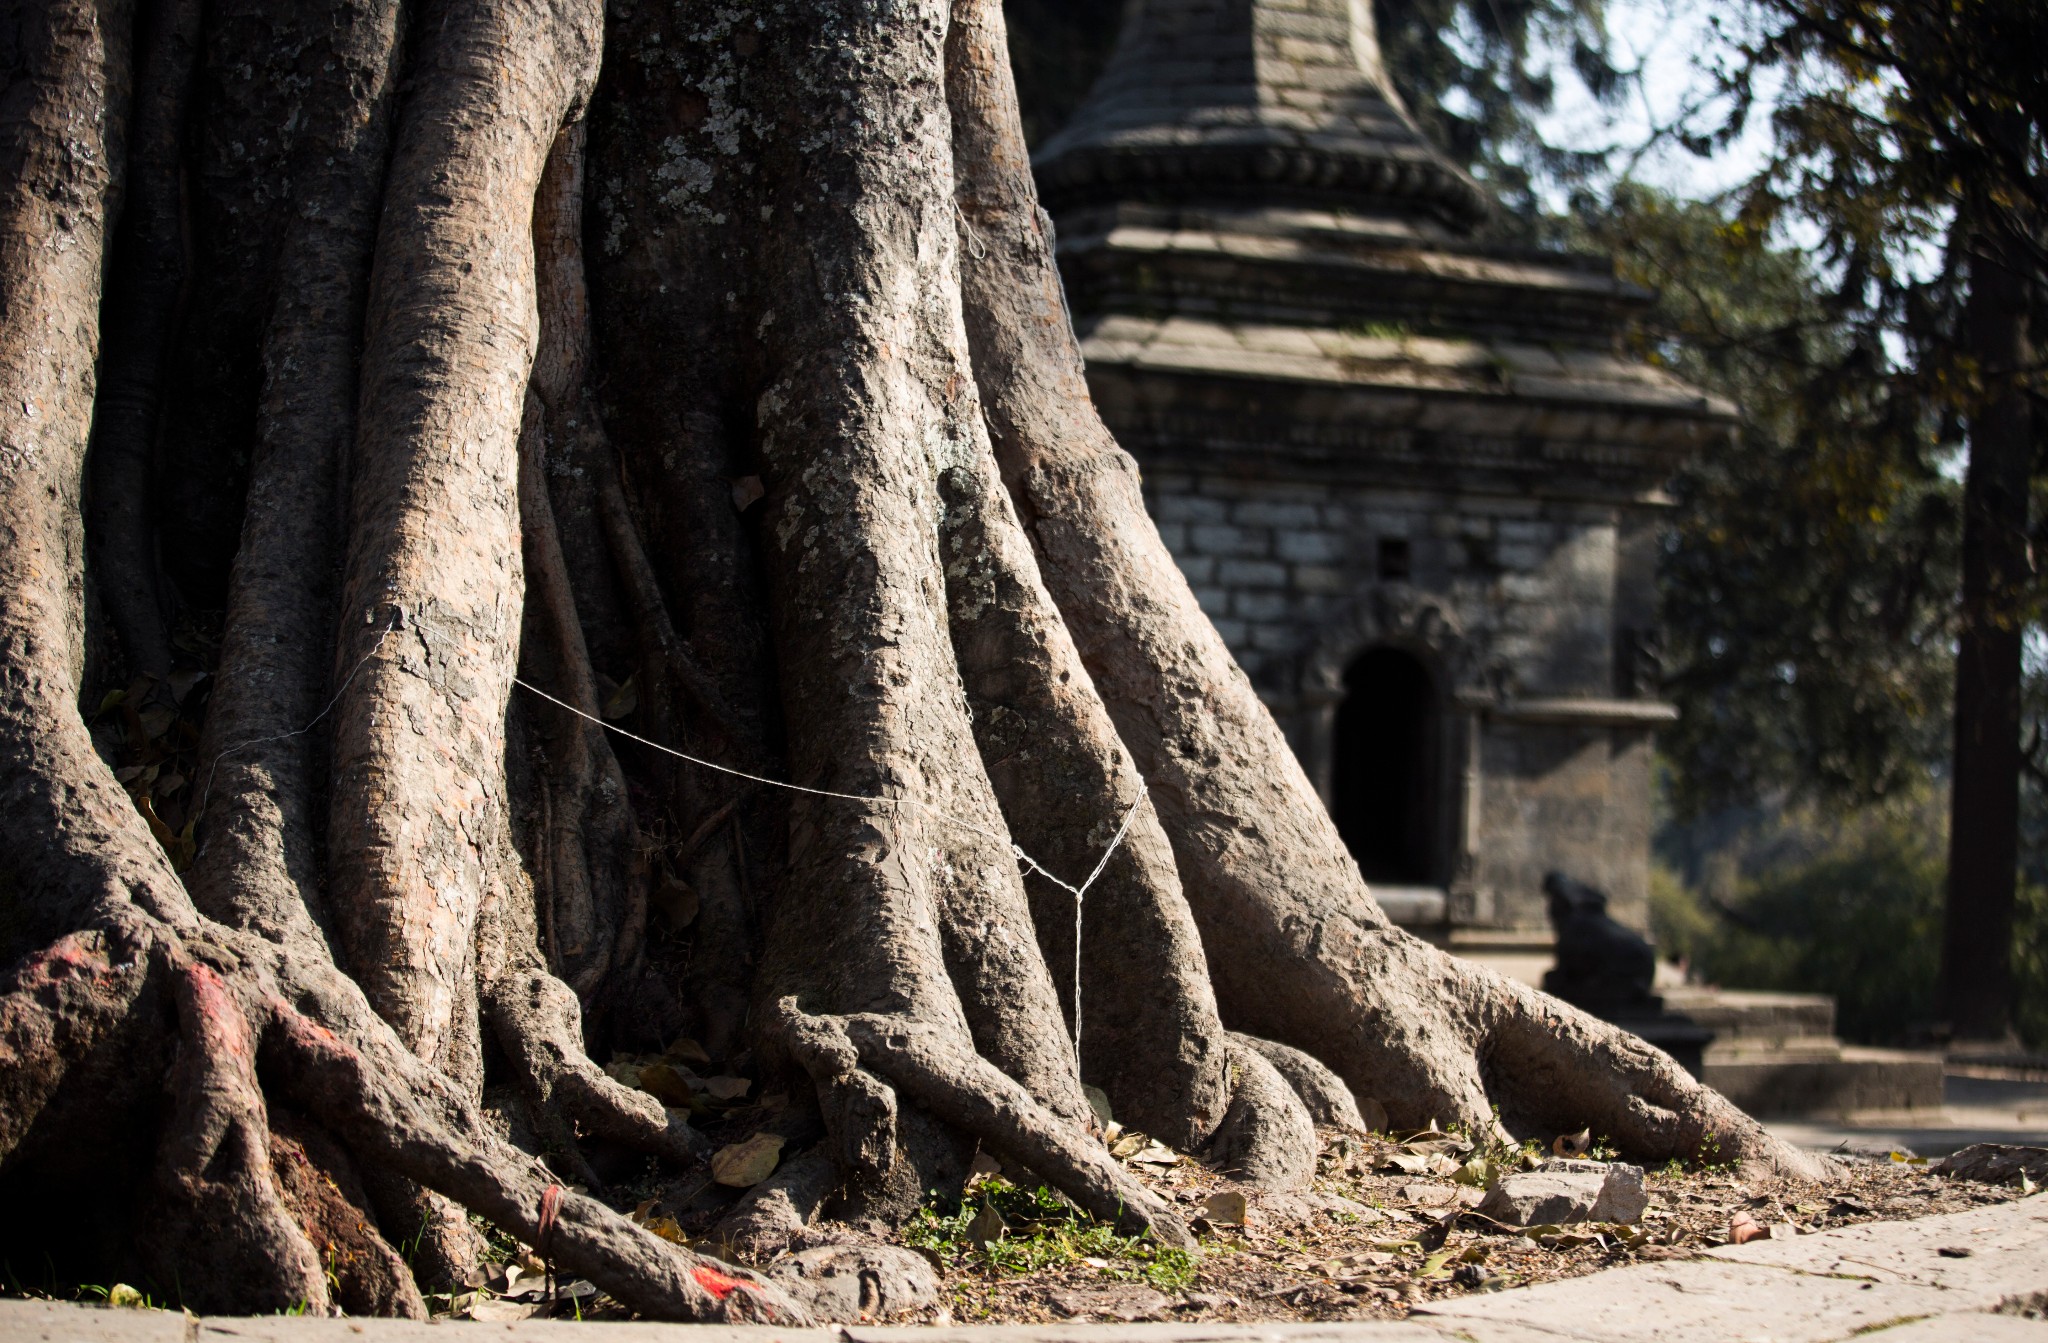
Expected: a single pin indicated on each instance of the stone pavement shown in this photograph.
(1936, 1280)
(1974, 1109)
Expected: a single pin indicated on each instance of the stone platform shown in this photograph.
(1961, 1278)
(1776, 1054)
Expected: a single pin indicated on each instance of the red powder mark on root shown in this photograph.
(716, 1283)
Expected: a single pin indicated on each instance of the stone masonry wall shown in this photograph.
(1536, 586)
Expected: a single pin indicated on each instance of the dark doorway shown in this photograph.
(1385, 771)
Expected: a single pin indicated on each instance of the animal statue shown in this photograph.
(1602, 966)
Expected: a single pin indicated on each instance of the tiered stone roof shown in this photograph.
(1254, 98)
(1243, 196)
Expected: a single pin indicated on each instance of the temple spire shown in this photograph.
(1266, 99)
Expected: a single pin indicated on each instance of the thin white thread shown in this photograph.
(1115, 840)
(1078, 892)
(206, 794)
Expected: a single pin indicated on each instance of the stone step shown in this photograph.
(1746, 1014)
(1816, 1082)
(1795, 1049)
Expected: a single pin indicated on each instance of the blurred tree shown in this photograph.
(1909, 145)
(1806, 575)
(1479, 76)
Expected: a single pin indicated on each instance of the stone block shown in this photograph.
(1536, 530)
(857, 1282)
(1275, 638)
(1252, 574)
(1309, 547)
(1321, 580)
(1538, 1198)
(1213, 601)
(1191, 508)
(1232, 632)
(1261, 604)
(1196, 568)
(1224, 539)
(1272, 513)
(1175, 535)
(1519, 555)
(1568, 1191)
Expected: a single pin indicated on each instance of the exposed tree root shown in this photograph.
(318, 1182)
(229, 1234)
(772, 1216)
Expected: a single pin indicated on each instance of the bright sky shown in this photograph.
(1665, 41)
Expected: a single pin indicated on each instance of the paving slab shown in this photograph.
(1966, 1329)
(301, 1329)
(61, 1322)
(1991, 1253)
(1696, 1301)
(1361, 1331)
(1809, 1289)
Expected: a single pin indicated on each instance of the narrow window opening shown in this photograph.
(1393, 558)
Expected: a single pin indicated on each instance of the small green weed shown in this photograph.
(1044, 1232)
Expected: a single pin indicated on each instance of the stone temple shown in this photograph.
(1413, 476)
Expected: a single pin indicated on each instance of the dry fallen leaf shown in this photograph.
(677, 900)
(686, 1050)
(666, 1082)
(742, 1165)
(1226, 1207)
(726, 1088)
(987, 1227)
(623, 700)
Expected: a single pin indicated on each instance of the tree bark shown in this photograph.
(769, 453)
(1983, 852)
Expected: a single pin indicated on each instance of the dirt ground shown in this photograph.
(1389, 1224)
(1414, 1238)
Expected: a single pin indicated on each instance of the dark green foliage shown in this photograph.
(1041, 1230)
(1848, 907)
(1477, 74)
(1806, 576)
(1804, 900)
(1809, 900)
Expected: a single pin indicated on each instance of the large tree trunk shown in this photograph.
(1984, 816)
(792, 473)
